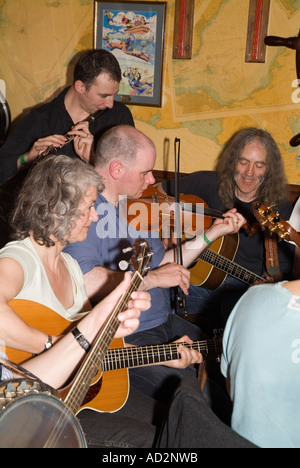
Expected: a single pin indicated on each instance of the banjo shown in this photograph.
(36, 416)
(33, 416)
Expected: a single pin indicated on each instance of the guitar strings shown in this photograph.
(72, 398)
(210, 345)
(91, 365)
(225, 264)
(101, 344)
(150, 354)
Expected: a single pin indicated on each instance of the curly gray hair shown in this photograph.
(48, 202)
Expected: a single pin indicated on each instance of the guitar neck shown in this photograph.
(92, 362)
(135, 356)
(267, 218)
(294, 236)
(229, 267)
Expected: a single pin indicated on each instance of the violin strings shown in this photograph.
(200, 209)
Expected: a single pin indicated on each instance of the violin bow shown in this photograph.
(180, 296)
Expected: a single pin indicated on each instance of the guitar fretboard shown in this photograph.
(229, 267)
(132, 356)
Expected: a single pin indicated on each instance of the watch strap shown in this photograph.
(82, 341)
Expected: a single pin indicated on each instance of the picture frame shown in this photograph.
(135, 33)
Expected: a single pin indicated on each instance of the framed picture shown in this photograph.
(134, 33)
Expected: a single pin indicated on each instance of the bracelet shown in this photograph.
(22, 160)
(83, 342)
(206, 240)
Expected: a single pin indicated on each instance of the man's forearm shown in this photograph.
(101, 281)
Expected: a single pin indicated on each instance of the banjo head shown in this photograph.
(38, 420)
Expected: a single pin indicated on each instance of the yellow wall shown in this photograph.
(205, 99)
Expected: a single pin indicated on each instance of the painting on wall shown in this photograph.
(134, 33)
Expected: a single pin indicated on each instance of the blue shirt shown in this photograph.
(103, 247)
(261, 357)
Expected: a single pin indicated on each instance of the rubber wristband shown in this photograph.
(206, 240)
(22, 160)
(81, 340)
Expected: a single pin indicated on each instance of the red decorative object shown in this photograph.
(259, 11)
(183, 29)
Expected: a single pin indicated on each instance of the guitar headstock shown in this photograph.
(142, 256)
(267, 218)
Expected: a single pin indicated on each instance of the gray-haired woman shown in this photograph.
(55, 207)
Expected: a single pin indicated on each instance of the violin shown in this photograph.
(157, 211)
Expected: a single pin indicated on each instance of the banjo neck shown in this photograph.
(91, 364)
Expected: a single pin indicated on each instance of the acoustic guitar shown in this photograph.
(42, 420)
(214, 264)
(39, 427)
(267, 218)
(109, 389)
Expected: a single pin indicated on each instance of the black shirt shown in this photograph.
(49, 119)
(251, 251)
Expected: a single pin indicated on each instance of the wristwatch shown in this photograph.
(48, 343)
(81, 340)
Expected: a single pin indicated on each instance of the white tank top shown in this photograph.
(36, 285)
